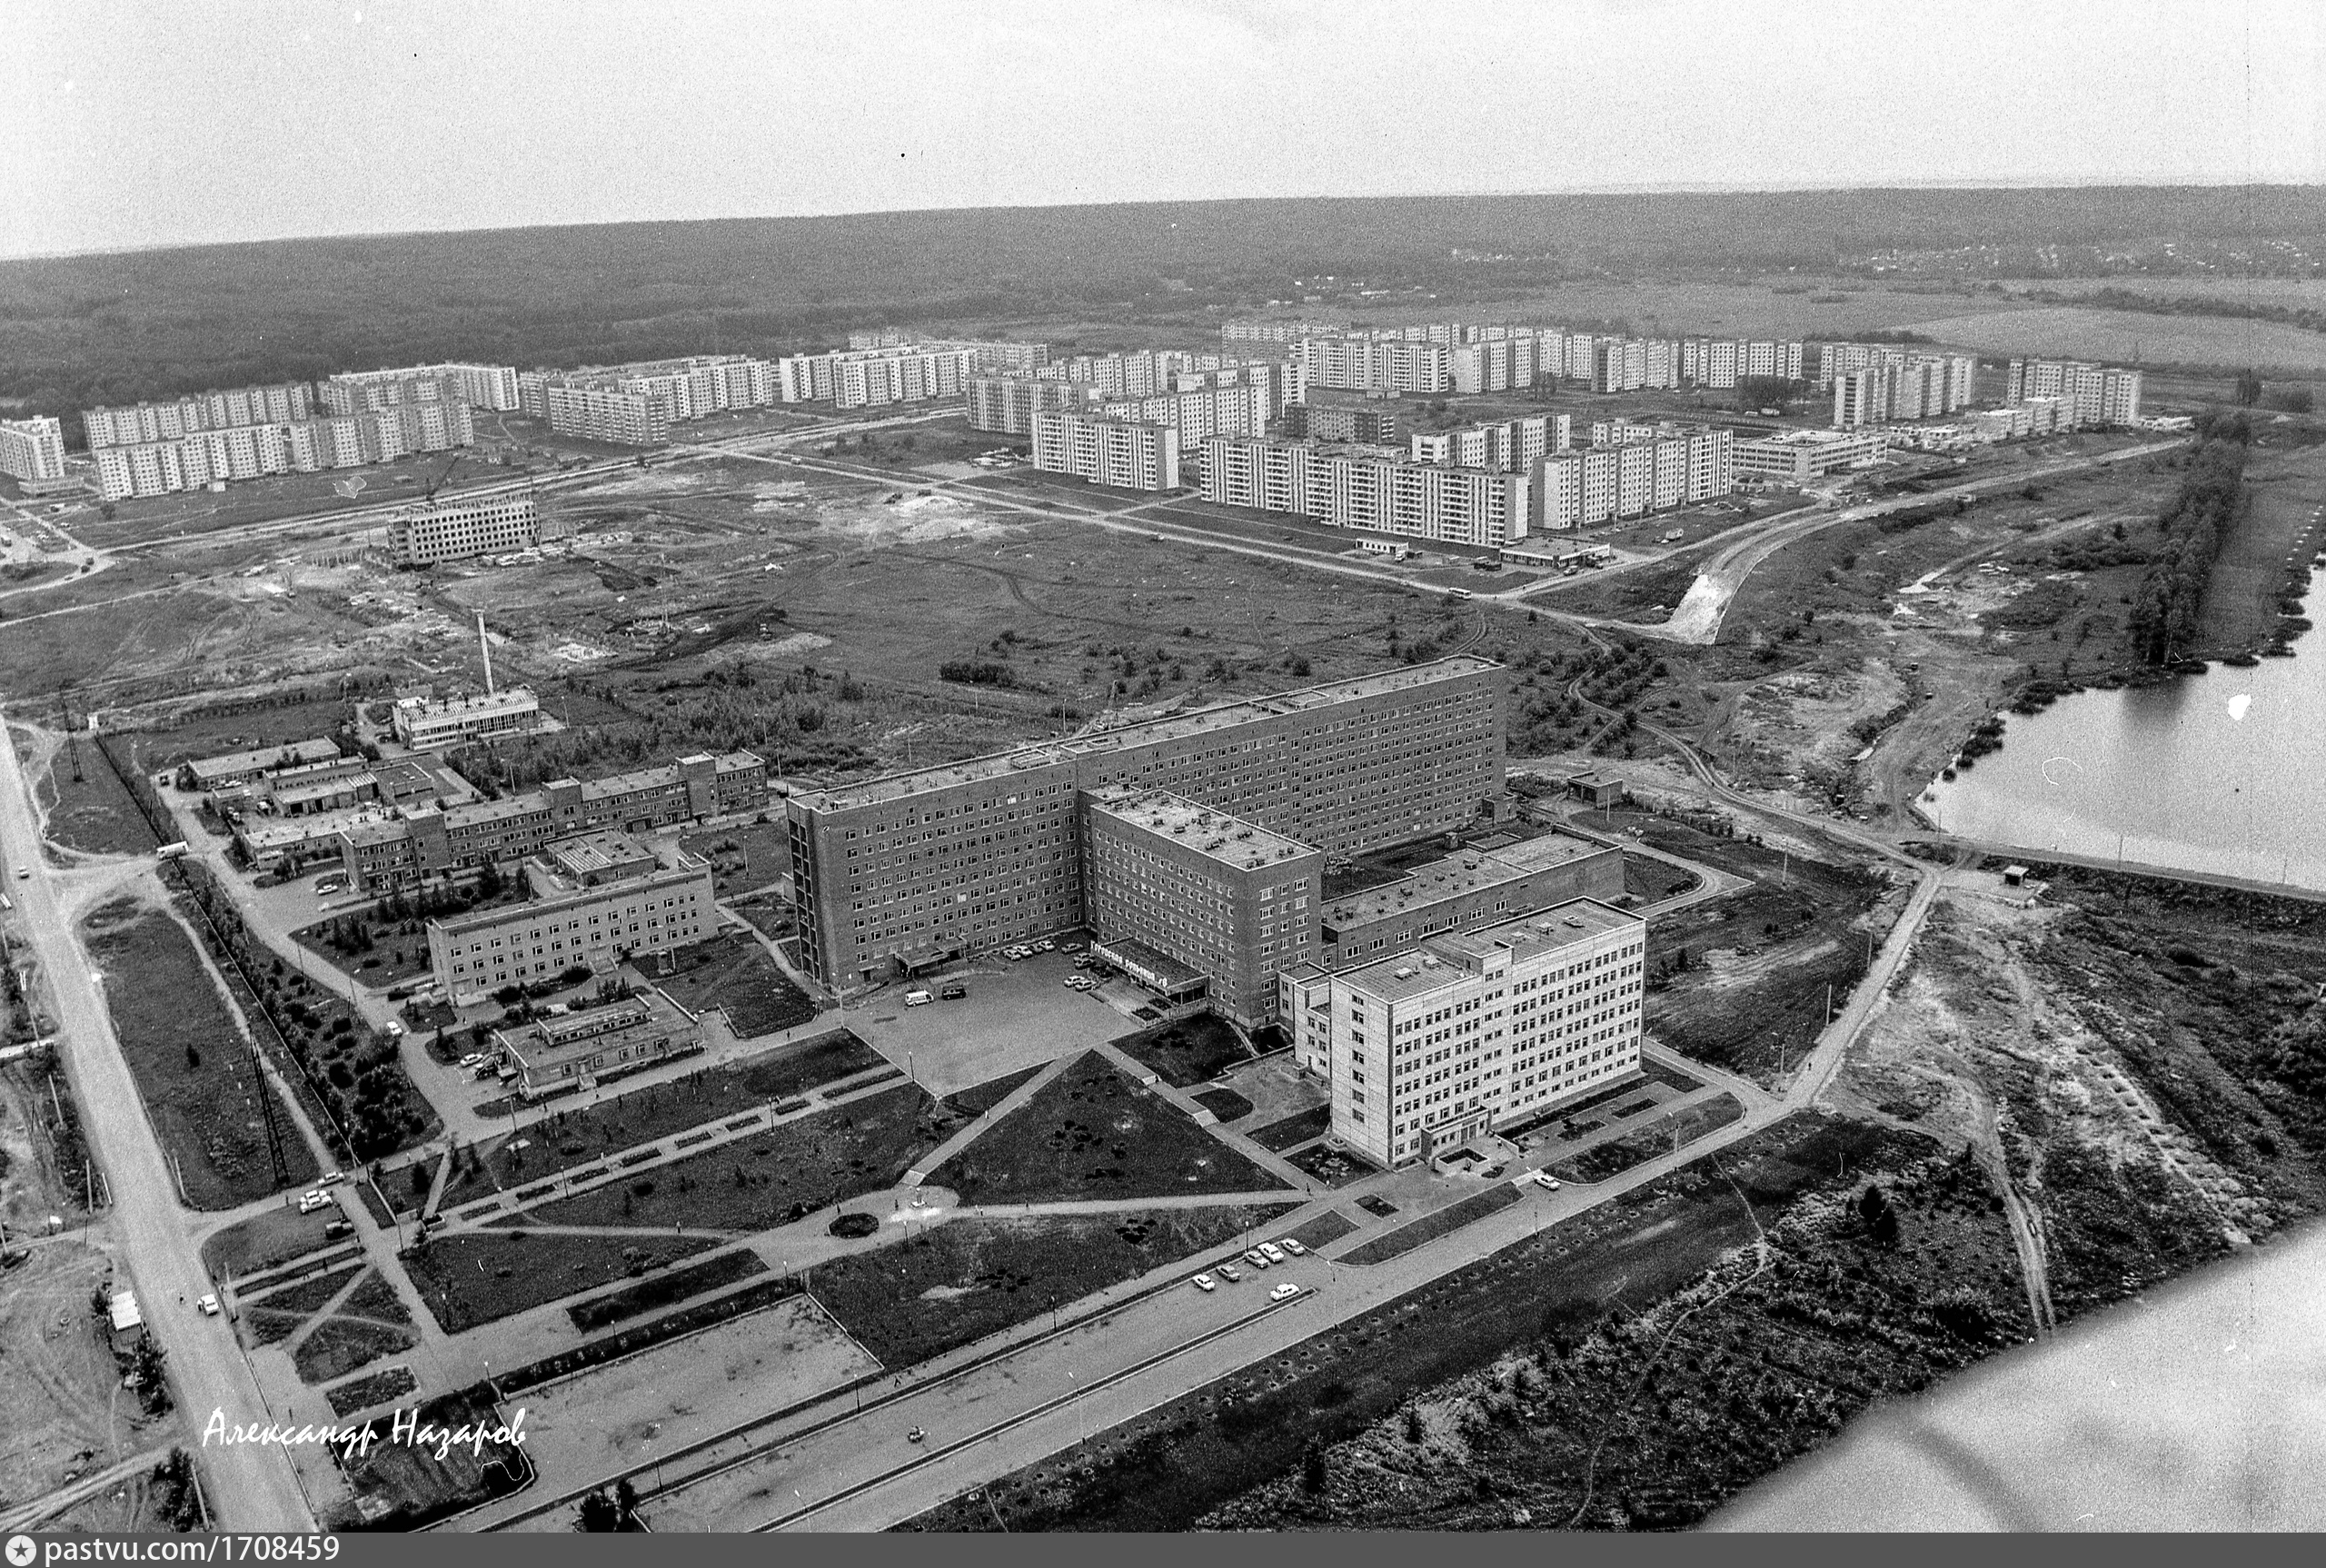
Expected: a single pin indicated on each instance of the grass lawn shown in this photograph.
(735, 974)
(968, 1278)
(1188, 1050)
(772, 1177)
(664, 1289)
(265, 1240)
(187, 1053)
(750, 856)
(1091, 1132)
(1663, 1136)
(475, 1278)
(340, 1344)
(979, 1098)
(1652, 881)
(1294, 1130)
(1429, 1227)
(769, 914)
(366, 1392)
(308, 1295)
(1226, 1104)
(575, 1137)
(93, 812)
(405, 1485)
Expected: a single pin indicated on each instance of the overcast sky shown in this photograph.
(132, 124)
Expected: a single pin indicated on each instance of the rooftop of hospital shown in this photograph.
(1456, 958)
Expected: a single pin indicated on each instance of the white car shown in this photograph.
(209, 1306)
(1546, 1181)
(1045, 946)
(1272, 1252)
(1292, 1246)
(1204, 1281)
(312, 1199)
(329, 1179)
(473, 1059)
(1284, 1291)
(24, 873)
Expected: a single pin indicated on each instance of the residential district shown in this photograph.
(827, 1135)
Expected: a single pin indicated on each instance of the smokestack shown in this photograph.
(484, 647)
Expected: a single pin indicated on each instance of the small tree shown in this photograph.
(1414, 1429)
(1312, 1465)
(600, 1514)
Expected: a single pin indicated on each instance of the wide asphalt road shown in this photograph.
(248, 1487)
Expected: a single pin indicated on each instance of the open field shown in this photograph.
(61, 1412)
(258, 1244)
(962, 1280)
(480, 1276)
(2241, 607)
(93, 811)
(1530, 1362)
(743, 857)
(733, 973)
(769, 1177)
(1091, 1132)
(575, 1137)
(2131, 337)
(193, 1068)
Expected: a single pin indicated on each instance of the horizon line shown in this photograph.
(2096, 181)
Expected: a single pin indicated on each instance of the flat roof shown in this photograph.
(1178, 726)
(1567, 925)
(605, 849)
(319, 749)
(1230, 841)
(1454, 875)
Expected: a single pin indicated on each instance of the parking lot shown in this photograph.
(1017, 1015)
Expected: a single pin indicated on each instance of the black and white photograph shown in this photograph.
(1228, 766)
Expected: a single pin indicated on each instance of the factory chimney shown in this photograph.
(484, 647)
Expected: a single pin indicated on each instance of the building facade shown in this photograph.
(1006, 405)
(457, 530)
(2103, 395)
(32, 453)
(1362, 488)
(918, 867)
(592, 908)
(430, 723)
(1798, 456)
(1104, 449)
(1474, 1031)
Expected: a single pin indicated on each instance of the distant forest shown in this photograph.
(101, 329)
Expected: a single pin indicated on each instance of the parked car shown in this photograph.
(1284, 1291)
(1545, 1180)
(1257, 1258)
(1292, 1246)
(329, 1179)
(1226, 1271)
(209, 1306)
(1045, 946)
(953, 993)
(312, 1199)
(1069, 946)
(1204, 1281)
(917, 998)
(1272, 1252)
(473, 1060)
(1069, 984)
(24, 873)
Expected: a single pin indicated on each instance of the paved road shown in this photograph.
(250, 1487)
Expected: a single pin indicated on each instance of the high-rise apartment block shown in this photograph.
(636, 404)
(604, 414)
(896, 372)
(1493, 364)
(32, 453)
(2102, 394)
(1632, 470)
(282, 403)
(1476, 1030)
(1258, 331)
(1367, 424)
(1506, 446)
(908, 870)
(1199, 414)
(1902, 386)
(1721, 363)
(431, 532)
(1127, 453)
(1006, 405)
(214, 456)
(477, 385)
(1382, 491)
(1388, 367)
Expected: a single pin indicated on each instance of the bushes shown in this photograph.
(2210, 499)
(977, 672)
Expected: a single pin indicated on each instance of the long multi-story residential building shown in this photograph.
(1006, 405)
(1384, 491)
(1476, 1030)
(32, 453)
(1390, 366)
(2102, 394)
(599, 901)
(386, 852)
(492, 387)
(1367, 424)
(206, 457)
(910, 869)
(1506, 446)
(1258, 332)
(1633, 469)
(1105, 448)
(1198, 413)
(433, 531)
(604, 413)
(282, 402)
(900, 373)
(1904, 387)
(1493, 364)
(1721, 363)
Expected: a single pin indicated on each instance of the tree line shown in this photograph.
(2194, 527)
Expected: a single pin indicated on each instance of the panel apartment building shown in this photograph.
(1201, 413)
(1387, 492)
(434, 530)
(32, 453)
(2102, 394)
(1719, 363)
(1476, 1030)
(215, 456)
(1904, 387)
(1632, 470)
(282, 403)
(1504, 446)
(636, 404)
(492, 387)
(910, 869)
(1006, 405)
(1103, 449)
(1386, 367)
(877, 375)
(599, 900)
